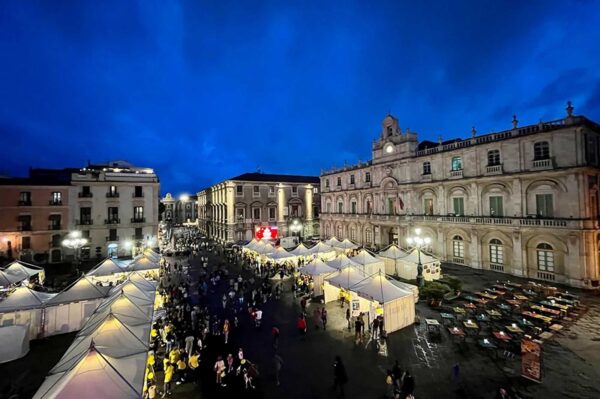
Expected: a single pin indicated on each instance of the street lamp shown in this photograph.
(128, 246)
(417, 241)
(296, 227)
(75, 241)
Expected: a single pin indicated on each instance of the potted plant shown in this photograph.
(434, 293)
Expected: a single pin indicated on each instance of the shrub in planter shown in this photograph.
(434, 291)
(455, 284)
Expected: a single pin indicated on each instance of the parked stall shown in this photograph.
(391, 256)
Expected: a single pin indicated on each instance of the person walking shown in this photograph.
(324, 318)
(408, 384)
(340, 378)
(317, 318)
(189, 344)
(275, 333)
(169, 371)
(349, 319)
(301, 325)
(389, 384)
(219, 370)
(278, 363)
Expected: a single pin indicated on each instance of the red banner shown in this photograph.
(268, 233)
(531, 360)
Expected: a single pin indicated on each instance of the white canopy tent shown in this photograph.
(18, 271)
(152, 255)
(4, 279)
(143, 264)
(407, 287)
(390, 257)
(333, 242)
(382, 297)
(300, 250)
(344, 279)
(98, 376)
(70, 308)
(130, 311)
(407, 266)
(368, 263)
(341, 262)
(317, 269)
(322, 251)
(14, 342)
(109, 269)
(281, 255)
(251, 246)
(24, 306)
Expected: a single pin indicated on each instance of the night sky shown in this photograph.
(202, 91)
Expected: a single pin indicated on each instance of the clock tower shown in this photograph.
(392, 143)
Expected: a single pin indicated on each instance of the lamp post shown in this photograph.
(417, 241)
(74, 241)
(128, 247)
(296, 227)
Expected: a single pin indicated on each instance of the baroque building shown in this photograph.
(522, 201)
(233, 209)
(179, 211)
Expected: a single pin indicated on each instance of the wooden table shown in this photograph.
(487, 295)
(458, 310)
(496, 292)
(514, 329)
(470, 306)
(472, 325)
(493, 313)
(513, 284)
(514, 302)
(521, 297)
(556, 327)
(553, 312)
(546, 335)
(502, 336)
(457, 333)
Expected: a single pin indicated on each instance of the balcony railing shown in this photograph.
(115, 238)
(542, 163)
(112, 195)
(548, 276)
(24, 227)
(54, 226)
(493, 169)
(137, 195)
(138, 220)
(426, 177)
(84, 222)
(496, 267)
(456, 173)
(140, 237)
(85, 195)
(112, 221)
(24, 202)
(54, 202)
(460, 261)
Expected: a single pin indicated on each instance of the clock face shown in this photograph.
(389, 149)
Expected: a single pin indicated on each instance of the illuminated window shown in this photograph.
(545, 257)
(458, 247)
(496, 252)
(456, 163)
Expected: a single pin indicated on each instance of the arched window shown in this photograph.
(339, 232)
(368, 236)
(369, 207)
(493, 157)
(545, 257)
(426, 168)
(340, 207)
(353, 233)
(541, 150)
(458, 247)
(496, 252)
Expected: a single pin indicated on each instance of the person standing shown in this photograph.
(189, 344)
(375, 328)
(301, 325)
(275, 333)
(226, 330)
(169, 371)
(317, 318)
(278, 363)
(324, 318)
(349, 319)
(340, 378)
(408, 384)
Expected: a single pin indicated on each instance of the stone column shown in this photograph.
(229, 197)
(281, 204)
(308, 203)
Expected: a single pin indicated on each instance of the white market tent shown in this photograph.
(390, 257)
(264, 248)
(333, 242)
(398, 304)
(18, 271)
(143, 263)
(346, 245)
(344, 279)
(98, 376)
(300, 250)
(70, 308)
(341, 262)
(14, 342)
(107, 267)
(317, 269)
(151, 254)
(24, 306)
(4, 279)
(280, 255)
(112, 337)
(322, 250)
(407, 287)
(130, 311)
(407, 266)
(369, 263)
(251, 246)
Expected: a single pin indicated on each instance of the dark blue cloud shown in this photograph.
(205, 90)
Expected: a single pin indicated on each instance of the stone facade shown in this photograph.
(522, 201)
(231, 210)
(179, 211)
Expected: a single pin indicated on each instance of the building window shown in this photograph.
(351, 179)
(459, 206)
(369, 207)
(340, 207)
(239, 190)
(493, 157)
(541, 150)
(294, 191)
(240, 214)
(496, 206)
(56, 240)
(56, 198)
(353, 233)
(390, 206)
(456, 163)
(272, 213)
(138, 213)
(326, 183)
(86, 191)
(112, 235)
(315, 212)
(112, 192)
(315, 190)
(271, 191)
(458, 247)
(353, 205)
(256, 213)
(25, 242)
(426, 168)
(295, 211)
(496, 252)
(545, 257)
(25, 198)
(255, 191)
(138, 193)
(428, 206)
(339, 232)
(367, 177)
(113, 214)
(369, 236)
(339, 181)
(55, 222)
(138, 234)
(328, 207)
(544, 205)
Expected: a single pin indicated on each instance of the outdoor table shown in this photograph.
(513, 302)
(562, 300)
(470, 306)
(496, 292)
(500, 286)
(448, 316)
(546, 310)
(556, 327)
(504, 306)
(567, 296)
(487, 344)
(482, 318)
(529, 293)
(521, 297)
(546, 335)
(458, 310)
(513, 284)
(525, 323)
(537, 316)
(502, 336)
(486, 295)
(553, 304)
(471, 298)
(493, 313)
(472, 325)
(514, 329)
(457, 333)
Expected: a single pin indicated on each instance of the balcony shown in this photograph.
(137, 238)
(84, 195)
(55, 202)
(24, 227)
(427, 177)
(24, 202)
(542, 164)
(112, 221)
(137, 195)
(493, 169)
(138, 220)
(84, 222)
(114, 238)
(456, 174)
(112, 195)
(54, 226)
(496, 267)
(548, 276)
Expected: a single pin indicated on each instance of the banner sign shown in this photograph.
(531, 360)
